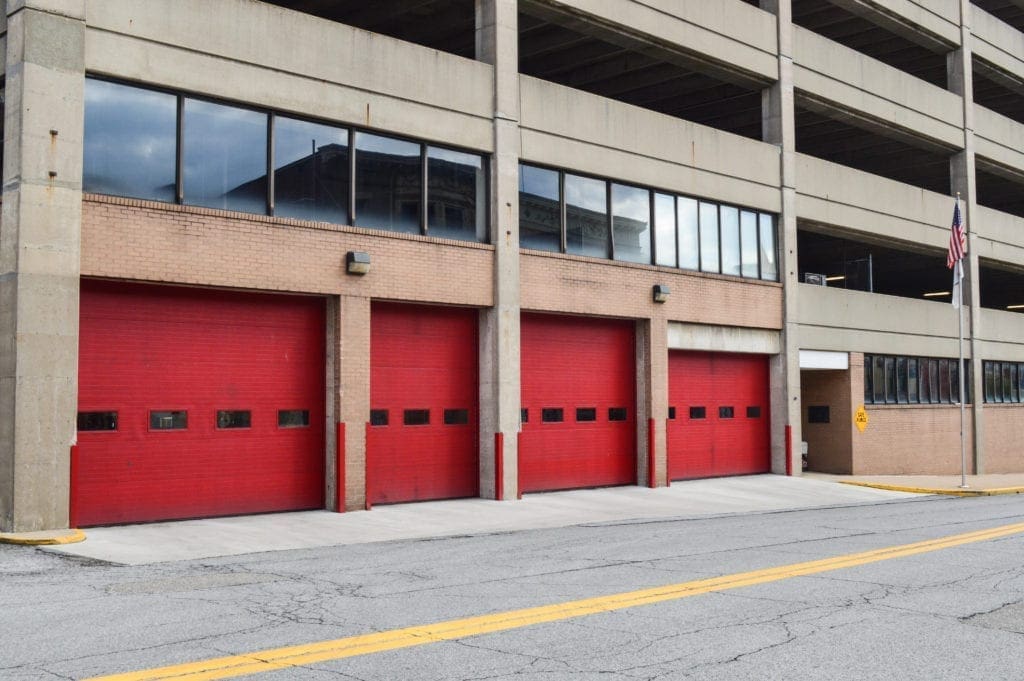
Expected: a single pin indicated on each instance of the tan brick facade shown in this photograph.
(1004, 445)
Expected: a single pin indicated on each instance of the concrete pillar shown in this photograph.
(39, 260)
(497, 43)
(353, 398)
(652, 398)
(964, 182)
(779, 128)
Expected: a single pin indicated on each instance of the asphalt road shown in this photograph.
(932, 612)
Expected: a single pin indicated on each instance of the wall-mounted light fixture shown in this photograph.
(357, 262)
(660, 293)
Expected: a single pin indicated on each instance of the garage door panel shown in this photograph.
(149, 348)
(576, 363)
(423, 359)
(718, 444)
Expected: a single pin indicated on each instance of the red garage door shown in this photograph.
(422, 439)
(197, 403)
(718, 415)
(578, 403)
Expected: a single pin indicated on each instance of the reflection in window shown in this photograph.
(586, 207)
(631, 223)
(748, 241)
(456, 195)
(709, 237)
(730, 230)
(311, 168)
(725, 412)
(225, 157)
(665, 230)
(689, 239)
(769, 266)
(130, 141)
(540, 210)
(388, 183)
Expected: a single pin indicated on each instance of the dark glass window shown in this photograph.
(709, 237)
(131, 140)
(416, 417)
(818, 414)
(524, 415)
(168, 420)
(944, 382)
(225, 157)
(586, 209)
(378, 417)
(901, 380)
(292, 418)
(753, 412)
(689, 238)
(933, 381)
(912, 395)
(730, 231)
(989, 382)
(586, 414)
(456, 417)
(954, 382)
(665, 230)
(725, 412)
(698, 413)
(1014, 391)
(878, 380)
(456, 195)
(540, 210)
(620, 413)
(769, 264)
(97, 420)
(1006, 382)
(389, 183)
(890, 380)
(551, 415)
(234, 419)
(748, 244)
(869, 395)
(672, 412)
(631, 223)
(311, 171)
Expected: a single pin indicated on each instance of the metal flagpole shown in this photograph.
(960, 373)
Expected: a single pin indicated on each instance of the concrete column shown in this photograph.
(652, 397)
(39, 260)
(497, 43)
(353, 398)
(779, 128)
(964, 182)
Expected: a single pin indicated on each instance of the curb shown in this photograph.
(43, 538)
(930, 490)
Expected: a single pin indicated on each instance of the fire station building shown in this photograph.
(261, 256)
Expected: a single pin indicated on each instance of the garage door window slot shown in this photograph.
(416, 417)
(551, 415)
(91, 421)
(622, 413)
(586, 414)
(456, 417)
(698, 413)
(168, 420)
(725, 412)
(228, 419)
(378, 417)
(524, 415)
(293, 418)
(753, 412)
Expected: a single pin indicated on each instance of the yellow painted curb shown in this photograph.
(931, 490)
(35, 538)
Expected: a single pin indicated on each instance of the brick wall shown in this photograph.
(1004, 426)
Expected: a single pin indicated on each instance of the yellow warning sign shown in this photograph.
(860, 418)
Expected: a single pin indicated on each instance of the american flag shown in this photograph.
(957, 239)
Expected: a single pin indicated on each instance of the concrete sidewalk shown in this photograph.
(194, 539)
(977, 485)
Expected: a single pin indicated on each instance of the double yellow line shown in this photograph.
(311, 653)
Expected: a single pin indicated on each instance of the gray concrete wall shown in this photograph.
(39, 261)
